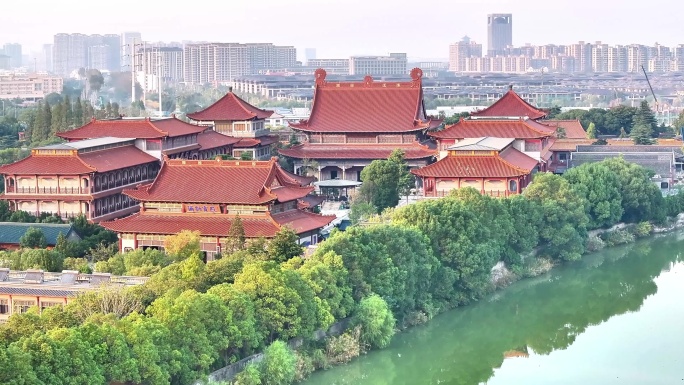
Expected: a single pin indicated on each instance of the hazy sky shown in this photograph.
(336, 28)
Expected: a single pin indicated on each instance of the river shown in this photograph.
(615, 317)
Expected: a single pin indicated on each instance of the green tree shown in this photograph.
(183, 245)
(284, 245)
(58, 117)
(329, 280)
(406, 180)
(68, 114)
(641, 134)
(600, 187)
(236, 236)
(278, 365)
(361, 211)
(201, 327)
(41, 128)
(376, 321)
(591, 131)
(79, 117)
(641, 198)
(33, 238)
(564, 212)
(284, 304)
(244, 318)
(380, 184)
(645, 117)
(623, 133)
(15, 367)
(111, 352)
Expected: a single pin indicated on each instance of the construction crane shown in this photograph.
(651, 87)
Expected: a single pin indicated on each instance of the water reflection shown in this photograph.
(540, 315)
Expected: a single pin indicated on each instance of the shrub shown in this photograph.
(642, 229)
(278, 366)
(304, 366)
(319, 359)
(343, 348)
(376, 321)
(617, 237)
(249, 376)
(80, 264)
(595, 243)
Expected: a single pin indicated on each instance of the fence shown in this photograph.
(228, 373)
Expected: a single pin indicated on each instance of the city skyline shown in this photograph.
(343, 28)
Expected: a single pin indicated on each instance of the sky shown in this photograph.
(338, 29)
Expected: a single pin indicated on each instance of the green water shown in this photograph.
(616, 317)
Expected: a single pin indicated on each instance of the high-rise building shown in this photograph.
(394, 64)
(582, 52)
(13, 50)
(331, 66)
(617, 59)
(128, 43)
(166, 62)
(499, 33)
(599, 57)
(460, 52)
(69, 52)
(266, 56)
(214, 62)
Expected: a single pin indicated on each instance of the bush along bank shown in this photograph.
(192, 318)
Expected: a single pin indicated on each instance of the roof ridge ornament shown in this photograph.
(320, 74)
(416, 74)
(367, 80)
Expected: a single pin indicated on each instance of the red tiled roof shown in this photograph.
(310, 201)
(230, 108)
(302, 221)
(47, 165)
(366, 106)
(211, 139)
(213, 181)
(298, 179)
(356, 151)
(207, 225)
(116, 158)
(573, 128)
(289, 193)
(509, 163)
(511, 104)
(254, 142)
(132, 128)
(503, 128)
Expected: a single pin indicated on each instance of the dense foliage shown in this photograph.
(193, 317)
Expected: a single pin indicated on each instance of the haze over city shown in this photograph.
(343, 28)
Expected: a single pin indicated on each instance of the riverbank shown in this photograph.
(600, 314)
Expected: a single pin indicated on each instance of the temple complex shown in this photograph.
(84, 177)
(354, 123)
(208, 195)
(235, 118)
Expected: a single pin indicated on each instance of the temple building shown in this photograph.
(84, 177)
(169, 137)
(354, 123)
(530, 137)
(234, 117)
(207, 196)
(492, 166)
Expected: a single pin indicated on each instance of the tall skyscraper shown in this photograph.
(47, 58)
(128, 48)
(69, 52)
(13, 50)
(460, 52)
(499, 33)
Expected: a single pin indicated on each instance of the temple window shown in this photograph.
(513, 186)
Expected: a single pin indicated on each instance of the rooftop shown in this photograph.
(356, 151)
(65, 284)
(230, 108)
(142, 128)
(87, 143)
(511, 104)
(508, 163)
(520, 128)
(11, 232)
(367, 106)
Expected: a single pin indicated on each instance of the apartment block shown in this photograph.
(214, 62)
(460, 53)
(394, 64)
(331, 66)
(73, 51)
(266, 56)
(31, 87)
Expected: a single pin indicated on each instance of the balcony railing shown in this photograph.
(48, 190)
(491, 193)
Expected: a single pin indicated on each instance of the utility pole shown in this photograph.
(159, 80)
